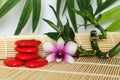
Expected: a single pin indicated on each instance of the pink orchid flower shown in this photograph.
(60, 51)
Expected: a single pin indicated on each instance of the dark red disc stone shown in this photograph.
(27, 49)
(36, 63)
(31, 42)
(25, 57)
(13, 62)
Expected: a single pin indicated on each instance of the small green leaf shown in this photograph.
(111, 13)
(99, 2)
(24, 16)
(65, 7)
(8, 6)
(60, 25)
(52, 25)
(98, 17)
(68, 32)
(79, 12)
(83, 15)
(114, 26)
(83, 4)
(0, 2)
(53, 35)
(80, 5)
(70, 6)
(36, 13)
(85, 22)
(58, 6)
(105, 5)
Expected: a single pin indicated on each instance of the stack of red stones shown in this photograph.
(27, 55)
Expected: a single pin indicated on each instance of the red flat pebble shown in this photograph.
(13, 62)
(25, 57)
(27, 49)
(31, 42)
(36, 63)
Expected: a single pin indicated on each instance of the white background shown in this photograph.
(9, 22)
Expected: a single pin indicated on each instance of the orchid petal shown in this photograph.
(49, 47)
(60, 44)
(58, 59)
(51, 57)
(70, 48)
(68, 59)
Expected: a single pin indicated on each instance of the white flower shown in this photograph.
(60, 51)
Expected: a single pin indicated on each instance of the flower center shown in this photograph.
(60, 55)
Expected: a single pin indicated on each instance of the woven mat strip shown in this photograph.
(25, 74)
(84, 68)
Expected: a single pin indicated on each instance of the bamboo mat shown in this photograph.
(7, 43)
(84, 68)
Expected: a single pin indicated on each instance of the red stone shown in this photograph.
(25, 57)
(36, 63)
(31, 42)
(26, 49)
(13, 62)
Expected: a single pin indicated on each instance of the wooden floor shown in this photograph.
(85, 68)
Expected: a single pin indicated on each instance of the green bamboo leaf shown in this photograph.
(24, 16)
(52, 25)
(80, 5)
(70, 6)
(98, 17)
(53, 35)
(99, 2)
(114, 26)
(58, 6)
(36, 13)
(60, 25)
(85, 22)
(68, 31)
(83, 4)
(0, 2)
(8, 6)
(111, 13)
(79, 12)
(65, 7)
(105, 5)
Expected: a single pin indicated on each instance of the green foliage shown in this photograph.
(87, 13)
(111, 13)
(70, 6)
(114, 26)
(103, 5)
(58, 6)
(24, 16)
(99, 2)
(68, 33)
(64, 31)
(8, 6)
(60, 25)
(53, 35)
(85, 10)
(36, 13)
(52, 25)
(30, 5)
(0, 2)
